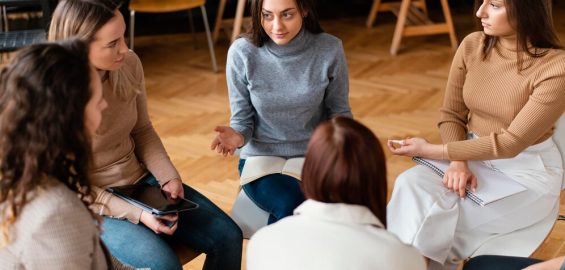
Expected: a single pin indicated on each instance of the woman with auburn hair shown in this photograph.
(503, 97)
(50, 107)
(342, 224)
(284, 78)
(127, 150)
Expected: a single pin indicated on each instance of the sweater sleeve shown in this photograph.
(107, 204)
(543, 108)
(337, 93)
(148, 146)
(242, 110)
(453, 114)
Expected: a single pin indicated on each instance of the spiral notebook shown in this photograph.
(492, 185)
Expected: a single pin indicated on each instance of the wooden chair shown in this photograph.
(164, 6)
(413, 21)
(237, 21)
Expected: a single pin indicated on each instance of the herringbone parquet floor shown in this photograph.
(395, 96)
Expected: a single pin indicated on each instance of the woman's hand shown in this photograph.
(227, 140)
(174, 187)
(419, 147)
(156, 223)
(457, 176)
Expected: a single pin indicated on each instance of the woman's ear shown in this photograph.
(305, 14)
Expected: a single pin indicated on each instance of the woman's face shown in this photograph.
(108, 49)
(96, 104)
(494, 18)
(281, 20)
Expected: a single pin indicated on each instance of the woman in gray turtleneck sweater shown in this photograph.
(284, 78)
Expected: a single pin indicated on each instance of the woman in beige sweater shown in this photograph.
(504, 93)
(50, 106)
(127, 150)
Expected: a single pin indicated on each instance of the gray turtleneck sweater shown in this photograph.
(279, 94)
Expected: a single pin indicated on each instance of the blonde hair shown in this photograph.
(83, 19)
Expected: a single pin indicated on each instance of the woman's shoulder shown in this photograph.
(132, 62)
(327, 40)
(55, 198)
(243, 46)
(473, 40)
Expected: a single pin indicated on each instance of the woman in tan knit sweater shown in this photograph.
(505, 91)
(127, 150)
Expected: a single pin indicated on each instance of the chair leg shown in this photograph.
(373, 13)
(219, 20)
(449, 22)
(131, 28)
(209, 38)
(400, 24)
(238, 19)
(5, 18)
(191, 25)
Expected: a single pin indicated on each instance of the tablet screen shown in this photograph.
(153, 198)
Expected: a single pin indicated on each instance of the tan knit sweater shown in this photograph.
(126, 146)
(507, 109)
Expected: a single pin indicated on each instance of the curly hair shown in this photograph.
(43, 94)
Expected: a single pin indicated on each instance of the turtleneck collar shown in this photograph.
(294, 47)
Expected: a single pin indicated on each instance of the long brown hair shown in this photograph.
(43, 94)
(257, 34)
(346, 164)
(83, 19)
(533, 22)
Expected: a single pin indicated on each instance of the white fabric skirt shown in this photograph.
(446, 229)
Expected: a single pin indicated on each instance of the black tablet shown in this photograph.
(152, 199)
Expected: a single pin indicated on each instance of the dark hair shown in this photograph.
(533, 22)
(257, 34)
(43, 93)
(346, 164)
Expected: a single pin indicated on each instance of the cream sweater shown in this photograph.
(507, 109)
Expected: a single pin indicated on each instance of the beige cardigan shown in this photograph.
(54, 231)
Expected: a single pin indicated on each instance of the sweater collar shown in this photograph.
(295, 46)
(338, 213)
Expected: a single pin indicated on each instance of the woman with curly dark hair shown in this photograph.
(50, 106)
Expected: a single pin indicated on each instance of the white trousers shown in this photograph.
(446, 229)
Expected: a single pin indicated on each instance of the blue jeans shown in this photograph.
(277, 194)
(206, 229)
(492, 262)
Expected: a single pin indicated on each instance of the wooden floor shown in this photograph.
(395, 96)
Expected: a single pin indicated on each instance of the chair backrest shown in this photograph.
(13, 40)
